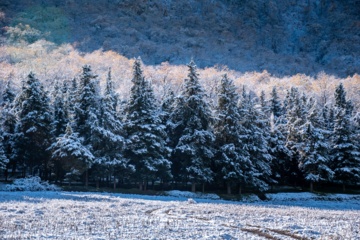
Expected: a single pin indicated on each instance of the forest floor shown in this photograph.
(180, 215)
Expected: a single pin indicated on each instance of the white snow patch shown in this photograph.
(31, 184)
(186, 194)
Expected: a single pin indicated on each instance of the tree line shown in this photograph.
(235, 140)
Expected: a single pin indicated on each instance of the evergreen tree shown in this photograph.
(191, 134)
(328, 117)
(8, 96)
(87, 104)
(340, 97)
(146, 148)
(254, 138)
(71, 98)
(275, 104)
(232, 160)
(59, 112)
(281, 155)
(314, 161)
(3, 158)
(33, 131)
(110, 158)
(74, 157)
(295, 118)
(264, 105)
(167, 106)
(87, 113)
(345, 151)
(8, 122)
(61, 119)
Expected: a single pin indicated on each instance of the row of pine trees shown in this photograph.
(242, 141)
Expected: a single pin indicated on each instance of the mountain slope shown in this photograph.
(283, 37)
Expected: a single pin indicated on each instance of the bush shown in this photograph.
(31, 184)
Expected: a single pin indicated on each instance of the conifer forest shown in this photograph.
(230, 138)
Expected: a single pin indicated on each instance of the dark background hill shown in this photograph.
(283, 37)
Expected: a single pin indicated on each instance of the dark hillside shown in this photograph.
(283, 37)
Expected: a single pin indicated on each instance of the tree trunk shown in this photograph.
(311, 186)
(240, 190)
(193, 187)
(203, 188)
(343, 187)
(228, 187)
(114, 183)
(97, 183)
(140, 186)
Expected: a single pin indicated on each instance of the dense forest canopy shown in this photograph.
(75, 104)
(222, 135)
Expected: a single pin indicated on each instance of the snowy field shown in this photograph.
(70, 215)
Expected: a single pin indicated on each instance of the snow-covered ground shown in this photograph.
(71, 215)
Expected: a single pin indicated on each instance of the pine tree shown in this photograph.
(3, 158)
(191, 134)
(254, 138)
(71, 98)
(167, 104)
(87, 113)
(275, 104)
(264, 104)
(328, 117)
(146, 148)
(59, 112)
(281, 155)
(61, 118)
(314, 153)
(8, 122)
(87, 103)
(233, 162)
(33, 131)
(74, 157)
(345, 151)
(295, 118)
(8, 96)
(110, 158)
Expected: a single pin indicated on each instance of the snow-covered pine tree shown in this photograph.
(254, 138)
(281, 155)
(59, 112)
(3, 158)
(345, 151)
(87, 112)
(264, 104)
(87, 103)
(232, 161)
(8, 122)
(146, 147)
(33, 130)
(191, 134)
(8, 96)
(295, 118)
(110, 160)
(275, 104)
(75, 158)
(314, 152)
(71, 98)
(328, 117)
(167, 104)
